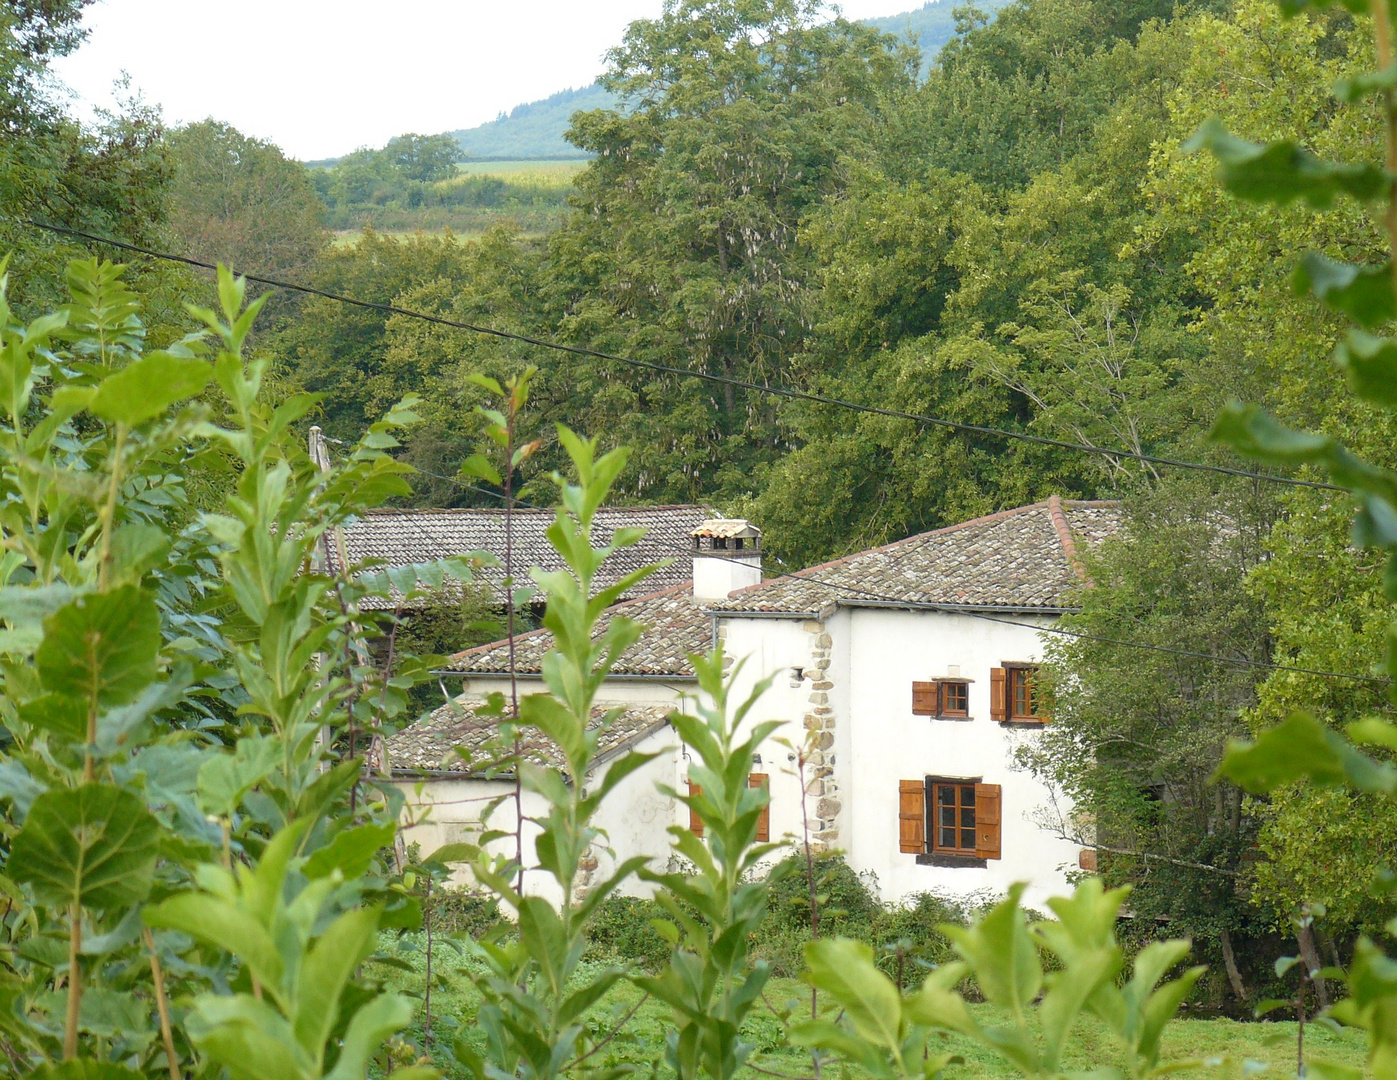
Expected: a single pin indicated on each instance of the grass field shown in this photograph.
(533, 200)
(520, 170)
(1231, 1049)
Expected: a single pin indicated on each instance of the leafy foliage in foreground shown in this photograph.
(198, 866)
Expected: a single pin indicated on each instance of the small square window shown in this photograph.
(955, 699)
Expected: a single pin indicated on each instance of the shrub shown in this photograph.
(621, 931)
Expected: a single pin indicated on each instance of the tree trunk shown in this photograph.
(1234, 976)
(1310, 955)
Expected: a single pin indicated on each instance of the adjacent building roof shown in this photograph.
(1021, 560)
(430, 745)
(675, 625)
(404, 537)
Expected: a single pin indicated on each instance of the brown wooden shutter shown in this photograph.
(1086, 860)
(924, 699)
(761, 780)
(999, 694)
(911, 816)
(987, 821)
(695, 822)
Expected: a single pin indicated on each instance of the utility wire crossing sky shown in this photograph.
(322, 77)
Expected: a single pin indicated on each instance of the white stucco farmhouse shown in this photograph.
(911, 666)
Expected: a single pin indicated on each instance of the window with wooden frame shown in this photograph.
(949, 821)
(946, 699)
(761, 780)
(1014, 694)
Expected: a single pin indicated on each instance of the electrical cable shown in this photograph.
(759, 388)
(798, 395)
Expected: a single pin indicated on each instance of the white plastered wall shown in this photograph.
(889, 650)
(634, 816)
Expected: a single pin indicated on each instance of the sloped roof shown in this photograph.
(676, 624)
(404, 537)
(1022, 559)
(429, 746)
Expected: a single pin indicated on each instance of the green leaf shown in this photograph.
(1363, 293)
(478, 466)
(225, 778)
(145, 389)
(249, 1038)
(85, 1069)
(94, 845)
(1281, 172)
(371, 1027)
(845, 970)
(1371, 366)
(351, 851)
(1302, 747)
(224, 924)
(1000, 951)
(57, 714)
(101, 646)
(326, 970)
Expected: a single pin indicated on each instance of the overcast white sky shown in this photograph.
(321, 77)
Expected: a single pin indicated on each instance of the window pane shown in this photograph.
(967, 817)
(967, 839)
(948, 816)
(946, 795)
(967, 795)
(948, 838)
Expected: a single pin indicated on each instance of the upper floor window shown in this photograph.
(1015, 693)
(948, 699)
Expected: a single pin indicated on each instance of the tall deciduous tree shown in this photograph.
(684, 246)
(240, 201)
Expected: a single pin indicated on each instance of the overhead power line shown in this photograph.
(787, 392)
(797, 395)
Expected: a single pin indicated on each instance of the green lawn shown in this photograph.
(1227, 1044)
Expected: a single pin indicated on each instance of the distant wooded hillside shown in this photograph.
(930, 26)
(535, 130)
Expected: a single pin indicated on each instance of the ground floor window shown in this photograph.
(956, 818)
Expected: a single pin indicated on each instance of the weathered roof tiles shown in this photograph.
(430, 745)
(404, 537)
(1020, 559)
(675, 625)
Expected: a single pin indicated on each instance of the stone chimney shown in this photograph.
(727, 556)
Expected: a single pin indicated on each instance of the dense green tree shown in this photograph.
(240, 201)
(423, 157)
(338, 349)
(1137, 735)
(684, 245)
(109, 178)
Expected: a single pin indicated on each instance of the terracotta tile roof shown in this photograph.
(676, 624)
(1023, 559)
(403, 537)
(429, 746)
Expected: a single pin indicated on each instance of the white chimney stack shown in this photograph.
(727, 556)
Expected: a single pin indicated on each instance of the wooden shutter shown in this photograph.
(760, 780)
(1086, 860)
(911, 816)
(987, 821)
(695, 822)
(924, 699)
(999, 694)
